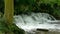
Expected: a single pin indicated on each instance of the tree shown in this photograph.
(9, 11)
(8, 17)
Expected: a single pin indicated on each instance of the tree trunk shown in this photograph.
(9, 11)
(8, 17)
(8, 14)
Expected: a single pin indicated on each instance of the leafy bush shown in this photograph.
(27, 6)
(4, 28)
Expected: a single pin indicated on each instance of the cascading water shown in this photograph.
(31, 22)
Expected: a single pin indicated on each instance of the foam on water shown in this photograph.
(34, 21)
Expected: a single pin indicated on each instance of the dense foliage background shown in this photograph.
(27, 6)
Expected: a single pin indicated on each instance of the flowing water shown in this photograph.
(33, 21)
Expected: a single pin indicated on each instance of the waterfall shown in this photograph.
(31, 22)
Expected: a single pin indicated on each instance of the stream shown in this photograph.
(30, 23)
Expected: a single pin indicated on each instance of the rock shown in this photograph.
(45, 30)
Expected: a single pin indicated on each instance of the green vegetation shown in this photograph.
(4, 29)
(26, 6)
(23, 7)
(47, 6)
(6, 22)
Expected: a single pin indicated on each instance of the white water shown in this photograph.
(31, 22)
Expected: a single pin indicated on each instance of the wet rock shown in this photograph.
(45, 30)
